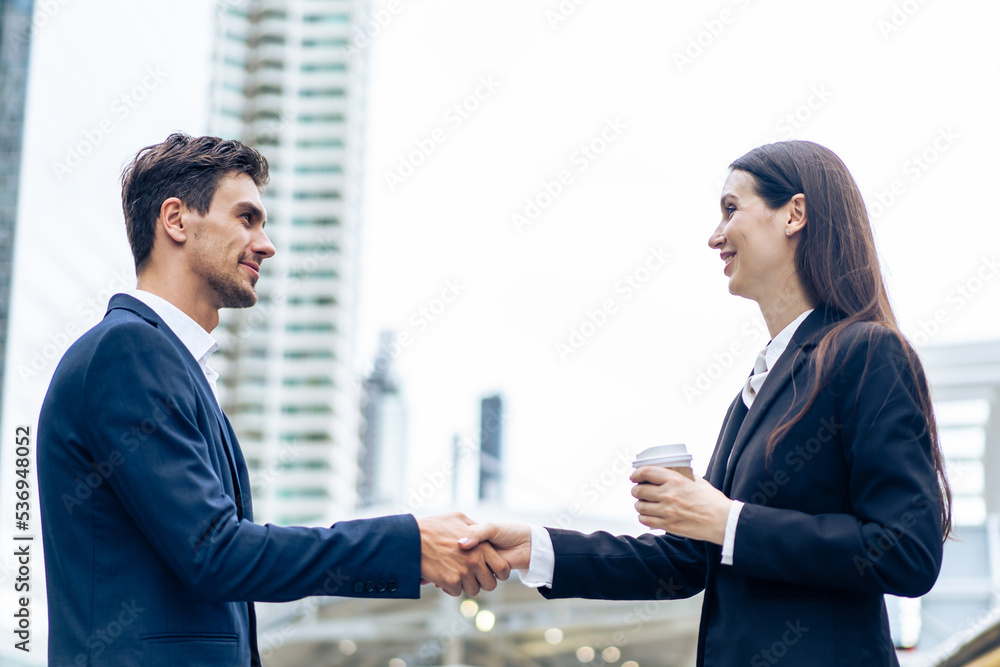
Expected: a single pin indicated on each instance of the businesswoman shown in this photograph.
(826, 489)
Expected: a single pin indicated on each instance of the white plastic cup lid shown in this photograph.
(663, 455)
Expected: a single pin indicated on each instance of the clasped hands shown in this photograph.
(666, 500)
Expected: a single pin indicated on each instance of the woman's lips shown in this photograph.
(727, 257)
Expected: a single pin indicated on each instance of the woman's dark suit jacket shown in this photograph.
(846, 510)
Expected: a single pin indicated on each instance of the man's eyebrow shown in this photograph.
(255, 211)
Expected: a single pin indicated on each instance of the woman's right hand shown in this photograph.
(511, 540)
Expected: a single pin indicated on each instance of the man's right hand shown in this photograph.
(455, 569)
(511, 540)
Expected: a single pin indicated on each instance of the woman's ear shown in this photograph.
(796, 208)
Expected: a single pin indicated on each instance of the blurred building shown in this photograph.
(15, 39)
(382, 461)
(283, 83)
(15, 43)
(491, 450)
(965, 602)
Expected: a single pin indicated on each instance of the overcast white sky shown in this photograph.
(879, 96)
(879, 81)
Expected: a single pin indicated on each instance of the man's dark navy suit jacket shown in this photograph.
(845, 510)
(151, 553)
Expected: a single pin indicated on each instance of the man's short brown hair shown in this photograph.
(185, 167)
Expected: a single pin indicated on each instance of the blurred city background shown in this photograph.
(492, 286)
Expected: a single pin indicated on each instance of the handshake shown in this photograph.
(460, 556)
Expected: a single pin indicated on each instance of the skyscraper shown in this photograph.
(284, 83)
(15, 34)
(491, 449)
(383, 433)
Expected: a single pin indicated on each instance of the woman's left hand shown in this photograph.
(670, 501)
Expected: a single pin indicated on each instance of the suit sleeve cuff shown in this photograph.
(543, 560)
(729, 542)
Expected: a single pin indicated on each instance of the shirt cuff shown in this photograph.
(542, 565)
(729, 542)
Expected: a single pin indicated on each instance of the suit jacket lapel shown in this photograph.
(126, 302)
(788, 365)
(727, 438)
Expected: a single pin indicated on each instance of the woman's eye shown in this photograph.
(730, 210)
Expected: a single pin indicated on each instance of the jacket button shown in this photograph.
(380, 586)
(359, 587)
(370, 586)
(391, 586)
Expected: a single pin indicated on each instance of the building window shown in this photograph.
(315, 409)
(326, 18)
(308, 354)
(324, 67)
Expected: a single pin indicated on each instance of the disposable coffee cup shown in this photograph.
(672, 457)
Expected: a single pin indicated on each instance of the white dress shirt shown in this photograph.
(543, 560)
(199, 342)
(762, 366)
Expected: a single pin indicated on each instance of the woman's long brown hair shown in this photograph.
(838, 266)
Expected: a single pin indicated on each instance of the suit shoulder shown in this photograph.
(125, 327)
(872, 337)
(119, 344)
(870, 349)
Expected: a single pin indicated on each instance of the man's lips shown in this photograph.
(253, 267)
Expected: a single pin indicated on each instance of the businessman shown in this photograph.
(152, 556)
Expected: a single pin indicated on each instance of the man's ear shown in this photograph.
(172, 219)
